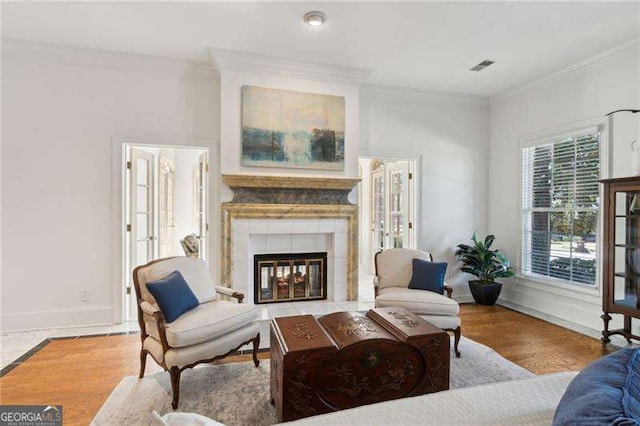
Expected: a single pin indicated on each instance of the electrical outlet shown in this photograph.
(84, 295)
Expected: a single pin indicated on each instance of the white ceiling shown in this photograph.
(422, 45)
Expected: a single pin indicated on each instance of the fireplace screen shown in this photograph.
(290, 277)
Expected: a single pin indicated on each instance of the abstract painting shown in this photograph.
(282, 128)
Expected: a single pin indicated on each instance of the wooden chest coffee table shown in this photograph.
(346, 359)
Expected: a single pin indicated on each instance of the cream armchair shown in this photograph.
(213, 330)
(394, 268)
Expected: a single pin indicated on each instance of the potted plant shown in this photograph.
(486, 264)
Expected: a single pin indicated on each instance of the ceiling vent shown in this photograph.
(482, 65)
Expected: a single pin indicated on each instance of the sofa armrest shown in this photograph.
(449, 290)
(158, 316)
(148, 308)
(375, 286)
(230, 292)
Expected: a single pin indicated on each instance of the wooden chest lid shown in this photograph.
(347, 328)
(403, 324)
(300, 333)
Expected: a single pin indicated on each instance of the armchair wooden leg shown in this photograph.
(175, 385)
(256, 346)
(143, 362)
(456, 340)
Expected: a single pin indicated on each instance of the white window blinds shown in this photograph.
(560, 202)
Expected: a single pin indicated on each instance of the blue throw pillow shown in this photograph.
(428, 276)
(631, 390)
(173, 294)
(605, 392)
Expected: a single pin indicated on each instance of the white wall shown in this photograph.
(231, 120)
(585, 91)
(61, 107)
(451, 136)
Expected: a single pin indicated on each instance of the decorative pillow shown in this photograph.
(173, 295)
(605, 392)
(428, 276)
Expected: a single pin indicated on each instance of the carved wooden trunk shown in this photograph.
(346, 359)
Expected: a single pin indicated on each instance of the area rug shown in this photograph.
(238, 393)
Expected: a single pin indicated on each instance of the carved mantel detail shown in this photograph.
(289, 190)
(295, 182)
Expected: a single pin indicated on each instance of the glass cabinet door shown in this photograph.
(626, 262)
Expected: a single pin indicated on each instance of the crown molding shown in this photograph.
(386, 92)
(632, 46)
(90, 57)
(249, 62)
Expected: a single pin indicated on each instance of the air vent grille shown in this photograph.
(482, 65)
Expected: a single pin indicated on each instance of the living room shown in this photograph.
(470, 95)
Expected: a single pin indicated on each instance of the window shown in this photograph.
(560, 204)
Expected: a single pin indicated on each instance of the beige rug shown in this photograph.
(238, 393)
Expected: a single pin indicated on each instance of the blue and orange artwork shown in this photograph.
(282, 128)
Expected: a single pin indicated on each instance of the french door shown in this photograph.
(141, 216)
(166, 220)
(201, 202)
(378, 212)
(397, 205)
(391, 207)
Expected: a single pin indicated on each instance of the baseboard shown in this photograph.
(59, 318)
(577, 313)
(551, 318)
(462, 294)
(463, 299)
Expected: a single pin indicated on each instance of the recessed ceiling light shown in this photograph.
(315, 18)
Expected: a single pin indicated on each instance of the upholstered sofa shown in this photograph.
(529, 401)
(606, 392)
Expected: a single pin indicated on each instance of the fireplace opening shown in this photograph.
(289, 277)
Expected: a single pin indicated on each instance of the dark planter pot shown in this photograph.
(485, 294)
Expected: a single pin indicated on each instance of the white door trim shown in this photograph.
(118, 194)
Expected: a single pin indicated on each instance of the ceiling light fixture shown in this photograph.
(314, 18)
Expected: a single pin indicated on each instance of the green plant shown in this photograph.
(486, 264)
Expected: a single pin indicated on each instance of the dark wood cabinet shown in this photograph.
(621, 254)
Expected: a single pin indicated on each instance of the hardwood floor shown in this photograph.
(80, 374)
(536, 345)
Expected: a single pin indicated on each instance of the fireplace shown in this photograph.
(282, 214)
(289, 277)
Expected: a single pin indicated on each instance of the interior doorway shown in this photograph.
(165, 201)
(388, 207)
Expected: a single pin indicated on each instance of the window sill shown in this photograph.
(557, 286)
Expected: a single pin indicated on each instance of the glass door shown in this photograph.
(166, 221)
(141, 217)
(202, 173)
(398, 204)
(627, 249)
(378, 238)
(391, 208)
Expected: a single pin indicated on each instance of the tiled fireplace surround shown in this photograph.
(287, 215)
(258, 236)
